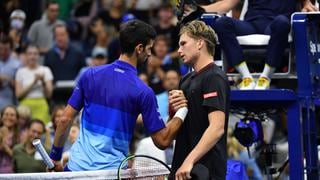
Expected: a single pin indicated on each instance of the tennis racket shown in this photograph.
(143, 167)
(45, 157)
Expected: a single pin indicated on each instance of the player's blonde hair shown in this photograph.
(199, 30)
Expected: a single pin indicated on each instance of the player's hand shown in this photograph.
(177, 99)
(184, 172)
(57, 167)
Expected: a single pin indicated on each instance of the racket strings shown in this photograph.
(150, 168)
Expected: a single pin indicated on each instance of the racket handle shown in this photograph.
(37, 144)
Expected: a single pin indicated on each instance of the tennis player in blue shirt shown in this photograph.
(112, 96)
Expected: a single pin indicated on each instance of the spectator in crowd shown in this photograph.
(65, 8)
(64, 61)
(170, 82)
(34, 85)
(159, 62)
(8, 68)
(33, 12)
(6, 7)
(155, 74)
(25, 157)
(161, 50)
(101, 35)
(40, 33)
(17, 32)
(83, 13)
(25, 116)
(99, 57)
(113, 15)
(9, 136)
(143, 9)
(166, 26)
(262, 17)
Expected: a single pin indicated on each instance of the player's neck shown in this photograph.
(202, 62)
(130, 60)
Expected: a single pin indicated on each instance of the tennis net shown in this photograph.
(103, 174)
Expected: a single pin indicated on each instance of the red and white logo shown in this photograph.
(211, 94)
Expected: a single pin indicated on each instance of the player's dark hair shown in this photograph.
(133, 33)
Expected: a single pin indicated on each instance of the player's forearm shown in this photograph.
(172, 129)
(167, 135)
(63, 126)
(62, 132)
(210, 137)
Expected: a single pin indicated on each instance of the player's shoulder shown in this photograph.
(96, 70)
(143, 87)
(216, 71)
(187, 76)
(143, 90)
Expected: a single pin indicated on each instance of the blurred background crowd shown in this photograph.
(45, 46)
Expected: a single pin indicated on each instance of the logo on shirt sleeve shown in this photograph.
(211, 94)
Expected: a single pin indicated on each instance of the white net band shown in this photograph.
(103, 174)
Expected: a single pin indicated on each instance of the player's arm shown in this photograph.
(210, 137)
(221, 6)
(164, 137)
(61, 134)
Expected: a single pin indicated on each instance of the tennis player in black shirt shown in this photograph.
(202, 138)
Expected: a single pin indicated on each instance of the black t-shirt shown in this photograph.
(206, 91)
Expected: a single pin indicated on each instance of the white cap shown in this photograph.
(18, 13)
(99, 51)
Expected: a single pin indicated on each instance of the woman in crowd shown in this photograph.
(34, 85)
(9, 136)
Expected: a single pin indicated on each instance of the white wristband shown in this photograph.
(181, 113)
